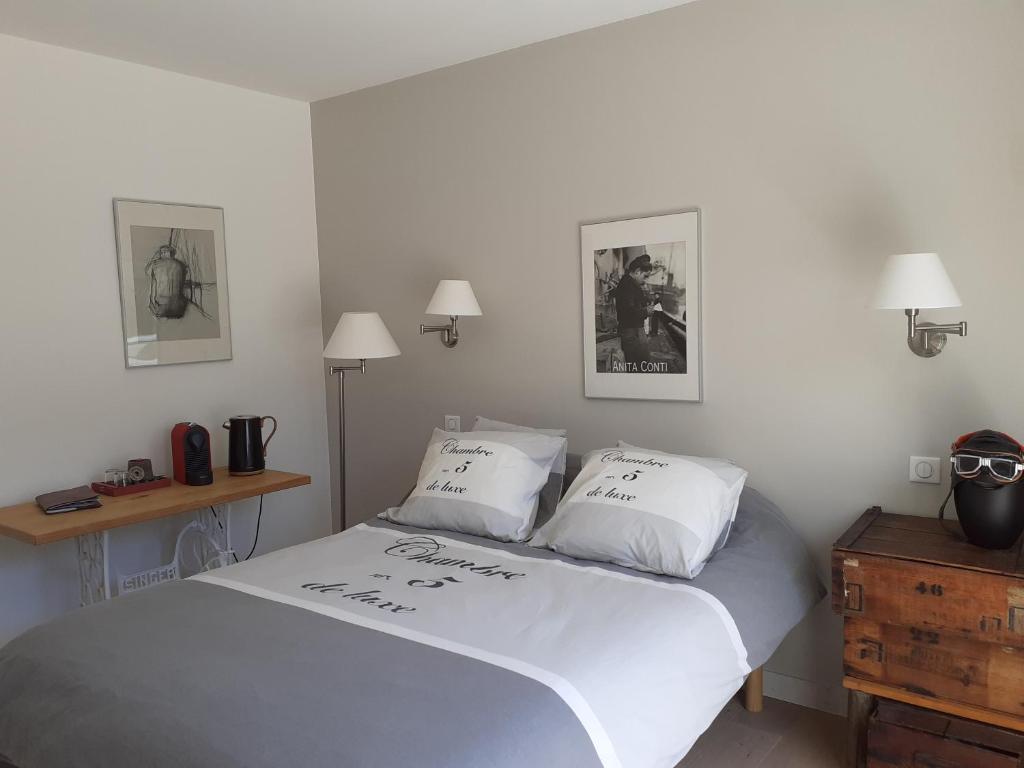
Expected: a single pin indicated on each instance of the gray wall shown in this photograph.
(817, 137)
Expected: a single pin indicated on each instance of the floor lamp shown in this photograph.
(358, 336)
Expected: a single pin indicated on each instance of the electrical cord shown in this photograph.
(256, 538)
(221, 526)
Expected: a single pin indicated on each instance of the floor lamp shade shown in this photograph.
(360, 336)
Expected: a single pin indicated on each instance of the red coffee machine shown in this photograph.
(190, 454)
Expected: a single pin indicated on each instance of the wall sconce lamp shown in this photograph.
(916, 281)
(454, 298)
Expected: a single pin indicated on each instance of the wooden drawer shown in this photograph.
(935, 663)
(969, 603)
(901, 736)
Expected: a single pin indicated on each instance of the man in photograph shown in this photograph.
(631, 311)
(168, 282)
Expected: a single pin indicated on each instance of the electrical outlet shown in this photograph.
(925, 469)
(452, 424)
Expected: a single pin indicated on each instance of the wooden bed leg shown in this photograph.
(753, 691)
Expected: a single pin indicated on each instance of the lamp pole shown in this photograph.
(340, 370)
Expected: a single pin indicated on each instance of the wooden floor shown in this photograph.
(782, 736)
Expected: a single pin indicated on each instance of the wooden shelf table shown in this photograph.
(90, 527)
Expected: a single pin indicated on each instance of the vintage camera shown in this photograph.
(140, 471)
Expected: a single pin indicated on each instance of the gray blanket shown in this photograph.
(192, 674)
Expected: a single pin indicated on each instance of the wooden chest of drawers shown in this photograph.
(901, 736)
(929, 620)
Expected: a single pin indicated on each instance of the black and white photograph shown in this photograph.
(640, 308)
(641, 304)
(173, 283)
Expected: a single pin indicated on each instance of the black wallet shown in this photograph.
(68, 500)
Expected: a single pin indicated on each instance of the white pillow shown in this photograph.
(552, 490)
(646, 510)
(482, 483)
(733, 476)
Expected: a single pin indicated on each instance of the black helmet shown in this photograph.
(987, 467)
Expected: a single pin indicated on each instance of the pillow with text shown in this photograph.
(552, 490)
(732, 475)
(646, 510)
(484, 483)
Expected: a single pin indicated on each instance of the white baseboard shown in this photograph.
(805, 693)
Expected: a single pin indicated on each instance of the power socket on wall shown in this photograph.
(452, 424)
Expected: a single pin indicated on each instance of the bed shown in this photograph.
(391, 646)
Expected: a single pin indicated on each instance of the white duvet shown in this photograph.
(645, 665)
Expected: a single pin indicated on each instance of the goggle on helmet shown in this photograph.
(987, 455)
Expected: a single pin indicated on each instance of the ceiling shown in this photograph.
(306, 49)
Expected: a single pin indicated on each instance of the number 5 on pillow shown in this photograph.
(646, 510)
(482, 483)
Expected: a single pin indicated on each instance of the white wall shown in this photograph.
(77, 130)
(817, 137)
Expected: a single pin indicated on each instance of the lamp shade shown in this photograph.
(360, 336)
(915, 281)
(453, 298)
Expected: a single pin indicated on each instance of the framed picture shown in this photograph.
(174, 283)
(642, 307)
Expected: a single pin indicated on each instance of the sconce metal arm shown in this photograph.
(449, 333)
(928, 339)
(913, 328)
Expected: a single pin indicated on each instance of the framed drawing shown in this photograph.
(642, 307)
(174, 283)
